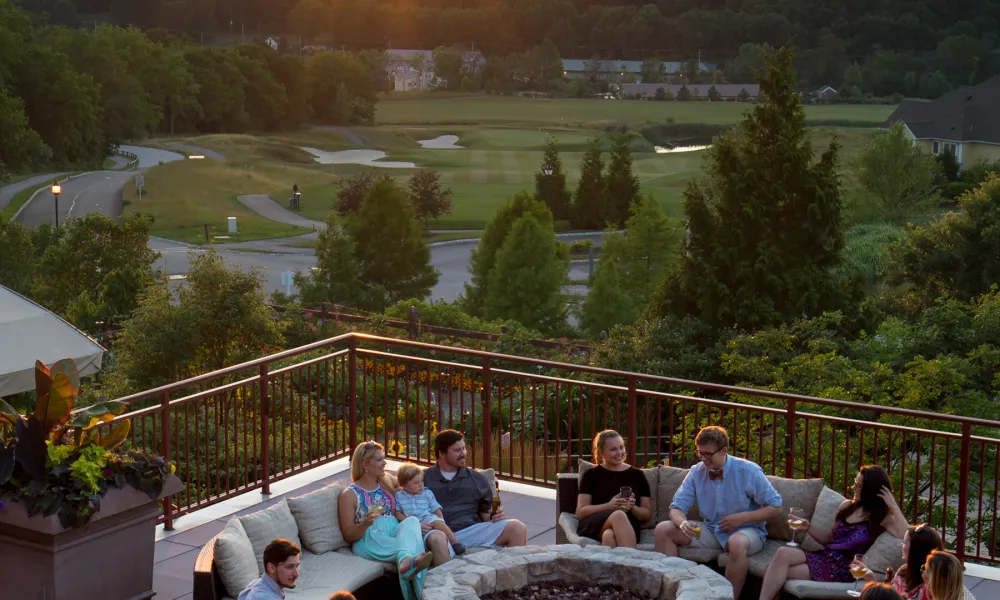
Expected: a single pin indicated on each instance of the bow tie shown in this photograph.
(713, 475)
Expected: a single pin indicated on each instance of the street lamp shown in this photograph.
(56, 190)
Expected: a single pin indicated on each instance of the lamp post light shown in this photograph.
(56, 190)
(547, 171)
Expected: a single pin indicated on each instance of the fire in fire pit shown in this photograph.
(560, 590)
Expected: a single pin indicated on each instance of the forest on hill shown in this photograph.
(912, 47)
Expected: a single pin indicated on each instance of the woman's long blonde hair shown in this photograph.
(363, 453)
(944, 576)
(599, 440)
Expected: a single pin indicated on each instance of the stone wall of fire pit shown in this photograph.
(662, 577)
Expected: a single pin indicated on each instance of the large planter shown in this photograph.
(111, 558)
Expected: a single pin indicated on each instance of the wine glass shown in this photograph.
(795, 522)
(376, 508)
(858, 570)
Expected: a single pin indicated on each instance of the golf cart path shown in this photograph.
(269, 209)
(197, 150)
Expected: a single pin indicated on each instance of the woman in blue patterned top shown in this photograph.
(367, 507)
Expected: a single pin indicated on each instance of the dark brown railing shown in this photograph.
(246, 426)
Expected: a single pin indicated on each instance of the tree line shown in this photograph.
(909, 49)
(69, 96)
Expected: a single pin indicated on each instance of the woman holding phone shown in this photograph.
(615, 498)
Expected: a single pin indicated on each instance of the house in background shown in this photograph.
(577, 68)
(414, 69)
(699, 91)
(965, 120)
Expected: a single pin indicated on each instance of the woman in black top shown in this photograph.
(604, 515)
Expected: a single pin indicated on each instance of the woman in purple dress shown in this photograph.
(858, 523)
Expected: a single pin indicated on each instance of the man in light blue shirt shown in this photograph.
(734, 498)
(281, 570)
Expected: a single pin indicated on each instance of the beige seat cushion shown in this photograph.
(317, 518)
(669, 482)
(264, 526)
(819, 590)
(323, 574)
(652, 478)
(234, 558)
(647, 541)
(800, 493)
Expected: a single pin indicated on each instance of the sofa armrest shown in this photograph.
(567, 489)
(207, 584)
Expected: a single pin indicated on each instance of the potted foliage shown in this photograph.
(73, 497)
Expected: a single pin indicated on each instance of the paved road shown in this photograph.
(8, 192)
(95, 192)
(150, 157)
(197, 150)
(351, 136)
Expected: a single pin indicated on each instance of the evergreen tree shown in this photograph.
(713, 94)
(551, 189)
(525, 284)
(337, 278)
(607, 304)
(589, 200)
(621, 184)
(391, 249)
(342, 109)
(643, 254)
(684, 94)
(764, 221)
(483, 257)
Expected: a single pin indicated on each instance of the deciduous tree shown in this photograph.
(898, 173)
(607, 304)
(645, 252)
(353, 190)
(427, 197)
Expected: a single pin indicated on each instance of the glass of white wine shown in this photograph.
(796, 522)
(858, 570)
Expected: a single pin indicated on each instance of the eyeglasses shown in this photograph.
(709, 455)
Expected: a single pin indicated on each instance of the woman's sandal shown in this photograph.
(420, 563)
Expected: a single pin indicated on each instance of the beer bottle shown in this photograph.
(888, 574)
(496, 499)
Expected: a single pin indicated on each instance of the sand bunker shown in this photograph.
(370, 158)
(676, 149)
(444, 142)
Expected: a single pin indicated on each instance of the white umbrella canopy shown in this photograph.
(28, 333)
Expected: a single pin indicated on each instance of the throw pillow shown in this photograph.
(490, 476)
(823, 516)
(584, 467)
(800, 493)
(670, 480)
(264, 526)
(317, 516)
(234, 559)
(885, 552)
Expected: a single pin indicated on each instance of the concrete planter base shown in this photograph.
(109, 559)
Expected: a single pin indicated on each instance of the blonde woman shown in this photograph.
(605, 514)
(367, 509)
(943, 576)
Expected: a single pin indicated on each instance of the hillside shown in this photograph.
(919, 47)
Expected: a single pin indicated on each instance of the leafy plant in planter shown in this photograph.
(58, 464)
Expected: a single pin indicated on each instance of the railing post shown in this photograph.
(487, 415)
(168, 502)
(631, 426)
(963, 492)
(790, 439)
(265, 430)
(411, 325)
(352, 393)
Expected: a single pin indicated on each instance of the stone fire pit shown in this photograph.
(662, 577)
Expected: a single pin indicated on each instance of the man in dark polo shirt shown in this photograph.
(465, 499)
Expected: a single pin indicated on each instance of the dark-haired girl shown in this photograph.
(858, 523)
